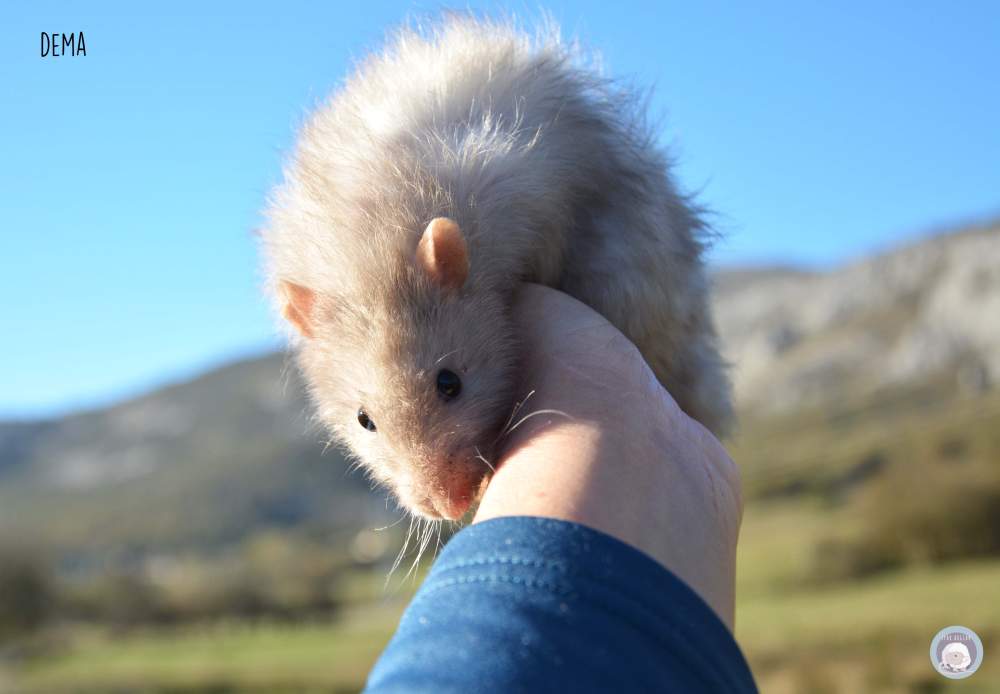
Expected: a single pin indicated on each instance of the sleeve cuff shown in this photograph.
(526, 604)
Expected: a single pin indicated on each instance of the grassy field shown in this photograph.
(234, 657)
(869, 636)
(809, 477)
(862, 636)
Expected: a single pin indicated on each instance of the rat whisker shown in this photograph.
(535, 413)
(420, 532)
(425, 535)
(426, 540)
(479, 456)
(391, 525)
(445, 356)
(402, 553)
(413, 565)
(517, 408)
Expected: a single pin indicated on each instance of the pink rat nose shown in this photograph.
(461, 485)
(452, 508)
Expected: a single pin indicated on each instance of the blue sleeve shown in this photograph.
(540, 605)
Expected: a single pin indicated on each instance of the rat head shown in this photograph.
(414, 373)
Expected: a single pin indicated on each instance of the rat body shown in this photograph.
(451, 168)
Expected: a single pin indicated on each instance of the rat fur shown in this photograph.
(534, 168)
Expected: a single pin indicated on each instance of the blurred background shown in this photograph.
(169, 521)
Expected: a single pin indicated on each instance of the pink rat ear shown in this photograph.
(299, 304)
(442, 253)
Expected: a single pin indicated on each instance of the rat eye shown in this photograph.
(449, 384)
(365, 421)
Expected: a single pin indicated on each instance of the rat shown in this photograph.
(462, 160)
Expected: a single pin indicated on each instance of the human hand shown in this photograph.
(621, 457)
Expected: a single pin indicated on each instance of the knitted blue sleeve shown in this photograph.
(527, 604)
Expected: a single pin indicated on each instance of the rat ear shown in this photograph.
(442, 253)
(299, 304)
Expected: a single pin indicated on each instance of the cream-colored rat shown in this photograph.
(461, 161)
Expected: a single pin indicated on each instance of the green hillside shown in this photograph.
(195, 466)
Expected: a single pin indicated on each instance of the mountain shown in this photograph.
(199, 465)
(799, 338)
(193, 465)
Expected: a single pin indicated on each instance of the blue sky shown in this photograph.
(131, 179)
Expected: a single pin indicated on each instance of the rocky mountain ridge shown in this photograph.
(808, 338)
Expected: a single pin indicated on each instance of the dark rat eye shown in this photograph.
(449, 384)
(365, 421)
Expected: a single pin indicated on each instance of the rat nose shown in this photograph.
(455, 483)
(451, 507)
